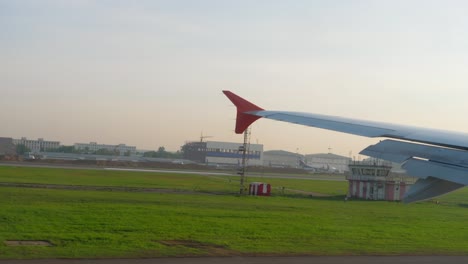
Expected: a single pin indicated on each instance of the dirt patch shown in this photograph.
(210, 249)
(44, 243)
(313, 194)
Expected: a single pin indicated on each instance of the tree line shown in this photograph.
(162, 153)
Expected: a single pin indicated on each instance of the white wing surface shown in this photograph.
(438, 158)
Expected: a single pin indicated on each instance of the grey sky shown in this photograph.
(150, 73)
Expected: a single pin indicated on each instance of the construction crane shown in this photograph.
(203, 137)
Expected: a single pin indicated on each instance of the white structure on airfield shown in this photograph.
(374, 180)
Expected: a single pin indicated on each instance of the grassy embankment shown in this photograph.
(88, 224)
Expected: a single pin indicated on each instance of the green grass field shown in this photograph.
(103, 224)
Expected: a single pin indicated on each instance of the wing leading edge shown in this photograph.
(441, 166)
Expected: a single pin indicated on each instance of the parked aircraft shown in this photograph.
(438, 158)
(318, 168)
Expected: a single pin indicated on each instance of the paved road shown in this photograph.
(318, 177)
(261, 260)
(172, 171)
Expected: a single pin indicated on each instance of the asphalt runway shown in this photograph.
(172, 171)
(317, 177)
(260, 260)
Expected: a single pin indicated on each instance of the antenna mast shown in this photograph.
(245, 150)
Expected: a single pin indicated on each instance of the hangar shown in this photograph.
(281, 159)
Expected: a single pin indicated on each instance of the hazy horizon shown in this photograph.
(151, 73)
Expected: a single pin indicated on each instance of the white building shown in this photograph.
(39, 145)
(92, 147)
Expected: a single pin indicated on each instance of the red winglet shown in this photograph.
(243, 120)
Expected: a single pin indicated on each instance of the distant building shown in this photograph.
(93, 147)
(36, 146)
(227, 153)
(330, 162)
(194, 151)
(281, 159)
(7, 147)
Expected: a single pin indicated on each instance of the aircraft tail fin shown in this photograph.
(302, 163)
(244, 119)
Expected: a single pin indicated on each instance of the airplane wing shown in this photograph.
(438, 158)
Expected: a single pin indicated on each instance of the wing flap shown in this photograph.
(440, 170)
(424, 168)
(428, 188)
(400, 151)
